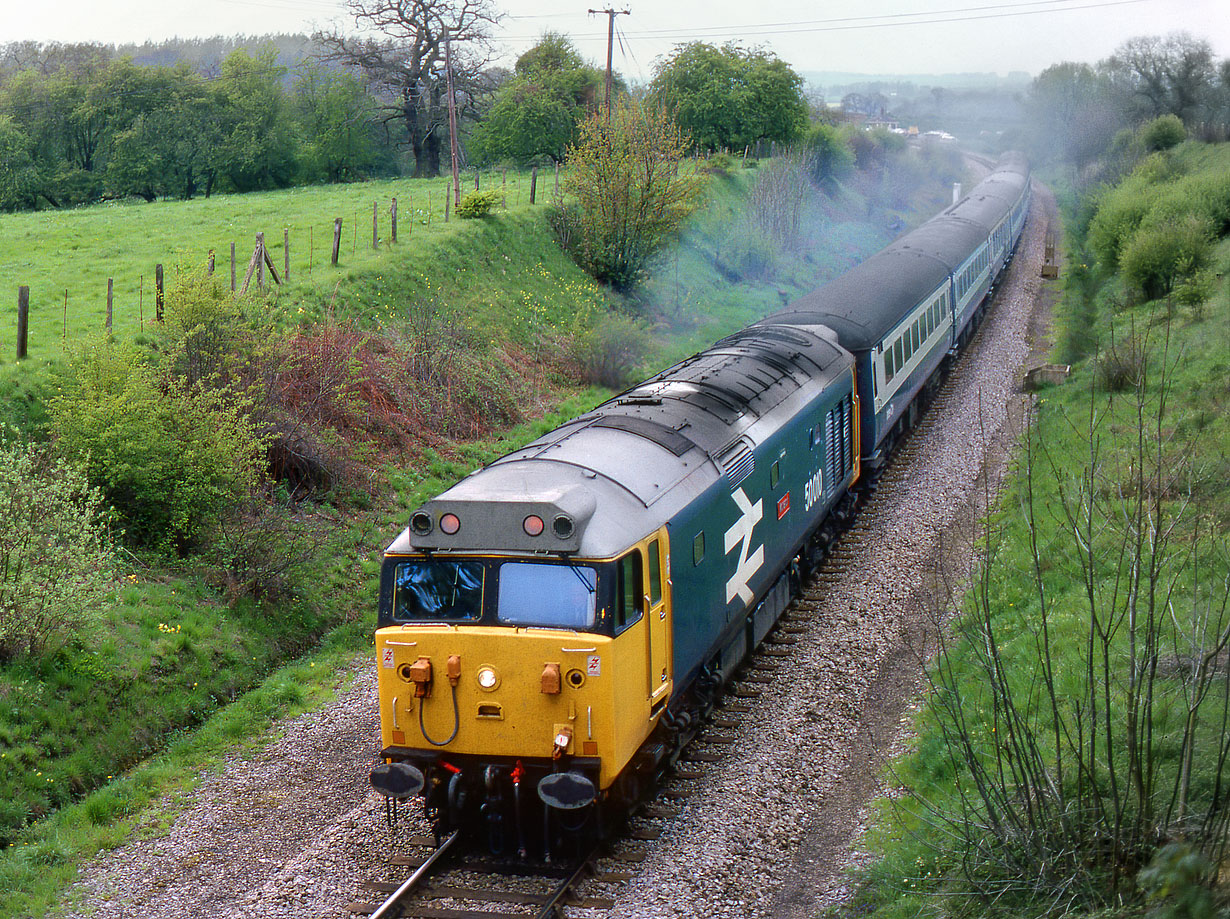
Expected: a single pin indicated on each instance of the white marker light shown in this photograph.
(487, 678)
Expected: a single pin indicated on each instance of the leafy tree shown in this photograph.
(1072, 114)
(338, 119)
(538, 111)
(258, 146)
(20, 181)
(1155, 76)
(56, 558)
(408, 63)
(730, 97)
(630, 192)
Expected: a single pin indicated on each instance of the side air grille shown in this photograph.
(737, 462)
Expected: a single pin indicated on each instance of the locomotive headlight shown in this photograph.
(488, 679)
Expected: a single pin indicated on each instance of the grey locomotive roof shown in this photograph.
(679, 425)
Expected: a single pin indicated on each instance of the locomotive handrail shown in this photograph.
(388, 905)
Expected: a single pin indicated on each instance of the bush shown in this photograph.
(1163, 133)
(479, 203)
(56, 559)
(826, 153)
(720, 164)
(1122, 366)
(608, 353)
(1157, 257)
(167, 456)
(631, 195)
(262, 550)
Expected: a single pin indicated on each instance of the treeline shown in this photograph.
(1083, 115)
(81, 124)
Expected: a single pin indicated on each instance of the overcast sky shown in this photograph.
(871, 36)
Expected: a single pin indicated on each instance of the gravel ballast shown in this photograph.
(292, 829)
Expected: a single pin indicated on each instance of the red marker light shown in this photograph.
(449, 524)
(533, 525)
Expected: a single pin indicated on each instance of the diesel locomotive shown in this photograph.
(553, 627)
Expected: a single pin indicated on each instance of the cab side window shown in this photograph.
(628, 591)
(655, 573)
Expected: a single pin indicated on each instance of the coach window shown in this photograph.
(698, 548)
(655, 573)
(628, 591)
(898, 363)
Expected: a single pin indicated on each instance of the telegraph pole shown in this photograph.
(452, 118)
(611, 13)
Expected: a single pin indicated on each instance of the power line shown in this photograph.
(841, 24)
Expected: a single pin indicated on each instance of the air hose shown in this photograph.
(456, 722)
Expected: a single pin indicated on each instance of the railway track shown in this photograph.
(451, 881)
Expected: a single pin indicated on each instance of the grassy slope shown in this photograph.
(171, 655)
(917, 869)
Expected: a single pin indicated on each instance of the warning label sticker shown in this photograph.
(386, 658)
(593, 665)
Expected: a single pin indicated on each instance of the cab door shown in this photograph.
(657, 606)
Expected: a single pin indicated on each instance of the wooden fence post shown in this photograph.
(337, 238)
(557, 179)
(260, 260)
(141, 301)
(23, 321)
(476, 180)
(64, 328)
(286, 255)
(375, 225)
(533, 183)
(447, 201)
(232, 267)
(159, 293)
(111, 294)
(393, 222)
(210, 267)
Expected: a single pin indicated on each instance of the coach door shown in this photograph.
(657, 602)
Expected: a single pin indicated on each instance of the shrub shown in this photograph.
(631, 195)
(56, 559)
(720, 164)
(261, 550)
(608, 353)
(1157, 257)
(826, 153)
(1122, 366)
(479, 203)
(1163, 133)
(206, 336)
(167, 456)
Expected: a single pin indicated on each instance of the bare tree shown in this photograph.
(405, 59)
(1158, 76)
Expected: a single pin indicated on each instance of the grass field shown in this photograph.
(70, 254)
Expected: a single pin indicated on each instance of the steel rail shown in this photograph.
(549, 909)
(385, 908)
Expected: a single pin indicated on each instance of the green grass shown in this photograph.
(76, 251)
(920, 868)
